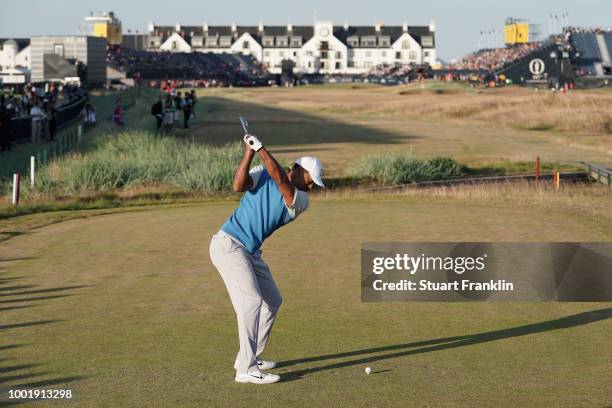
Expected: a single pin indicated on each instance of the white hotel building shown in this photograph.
(322, 48)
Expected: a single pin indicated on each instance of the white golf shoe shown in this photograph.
(261, 364)
(257, 377)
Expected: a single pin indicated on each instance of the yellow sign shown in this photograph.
(516, 33)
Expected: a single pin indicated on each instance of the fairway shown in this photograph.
(126, 309)
(341, 124)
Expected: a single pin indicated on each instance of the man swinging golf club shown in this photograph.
(272, 199)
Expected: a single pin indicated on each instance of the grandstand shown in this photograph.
(225, 69)
(577, 56)
(593, 49)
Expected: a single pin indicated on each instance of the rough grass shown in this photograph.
(520, 108)
(138, 158)
(504, 128)
(401, 168)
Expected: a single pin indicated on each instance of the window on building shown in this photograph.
(350, 64)
(323, 64)
(384, 41)
(338, 55)
(58, 49)
(406, 45)
(338, 65)
(412, 55)
(295, 53)
(282, 41)
(324, 55)
(427, 41)
(281, 54)
(152, 43)
(383, 54)
(353, 41)
(368, 54)
(245, 45)
(296, 41)
(426, 53)
(324, 45)
(368, 41)
(309, 64)
(268, 41)
(398, 55)
(211, 41)
(225, 41)
(174, 45)
(266, 53)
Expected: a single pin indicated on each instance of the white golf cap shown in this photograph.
(313, 166)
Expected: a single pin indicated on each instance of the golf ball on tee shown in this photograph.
(368, 370)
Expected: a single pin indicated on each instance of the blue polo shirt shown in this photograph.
(262, 211)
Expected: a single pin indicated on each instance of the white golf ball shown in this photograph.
(368, 370)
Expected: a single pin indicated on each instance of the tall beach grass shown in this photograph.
(390, 169)
(138, 158)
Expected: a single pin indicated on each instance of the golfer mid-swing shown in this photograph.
(272, 198)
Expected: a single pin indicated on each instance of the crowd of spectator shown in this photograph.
(39, 103)
(172, 104)
(404, 72)
(495, 58)
(223, 69)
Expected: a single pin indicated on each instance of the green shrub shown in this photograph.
(402, 168)
(136, 158)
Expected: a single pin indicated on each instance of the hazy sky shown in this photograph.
(458, 23)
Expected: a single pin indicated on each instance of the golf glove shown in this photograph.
(253, 142)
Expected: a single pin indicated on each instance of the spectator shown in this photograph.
(5, 129)
(168, 115)
(178, 106)
(118, 115)
(157, 110)
(89, 115)
(194, 100)
(52, 121)
(37, 121)
(186, 110)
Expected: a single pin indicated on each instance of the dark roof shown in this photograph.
(21, 42)
(306, 32)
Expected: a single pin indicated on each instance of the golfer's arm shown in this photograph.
(242, 179)
(278, 174)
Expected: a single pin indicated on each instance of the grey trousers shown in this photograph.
(253, 293)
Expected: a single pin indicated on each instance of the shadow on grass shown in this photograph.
(428, 346)
(19, 287)
(4, 281)
(4, 309)
(48, 290)
(25, 258)
(27, 324)
(12, 234)
(33, 299)
(24, 375)
(276, 126)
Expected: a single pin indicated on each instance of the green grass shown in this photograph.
(126, 309)
(401, 168)
(116, 299)
(139, 159)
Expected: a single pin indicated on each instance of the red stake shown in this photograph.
(537, 168)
